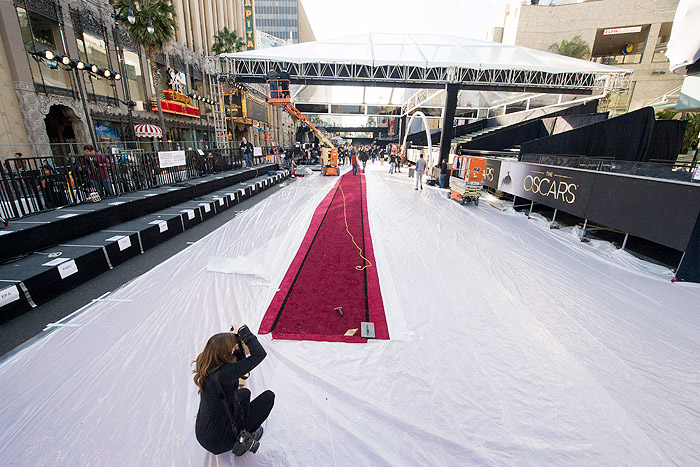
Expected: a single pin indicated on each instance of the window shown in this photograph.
(94, 50)
(620, 45)
(134, 75)
(40, 33)
(662, 43)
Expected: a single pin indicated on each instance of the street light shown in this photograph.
(131, 17)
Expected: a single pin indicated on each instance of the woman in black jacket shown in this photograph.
(224, 355)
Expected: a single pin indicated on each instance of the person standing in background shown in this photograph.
(443, 174)
(420, 169)
(247, 151)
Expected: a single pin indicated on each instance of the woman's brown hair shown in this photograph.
(219, 350)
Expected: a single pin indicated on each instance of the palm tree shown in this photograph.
(153, 27)
(226, 41)
(576, 47)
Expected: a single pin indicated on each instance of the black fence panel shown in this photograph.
(33, 184)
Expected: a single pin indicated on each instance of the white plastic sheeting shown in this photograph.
(511, 345)
(684, 44)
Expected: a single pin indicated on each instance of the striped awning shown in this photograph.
(147, 130)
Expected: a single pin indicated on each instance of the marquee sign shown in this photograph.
(175, 103)
(249, 19)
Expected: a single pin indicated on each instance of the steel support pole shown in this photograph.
(402, 127)
(624, 242)
(452, 91)
(125, 85)
(88, 117)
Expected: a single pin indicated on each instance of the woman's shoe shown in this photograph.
(258, 434)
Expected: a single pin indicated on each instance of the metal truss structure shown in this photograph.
(254, 70)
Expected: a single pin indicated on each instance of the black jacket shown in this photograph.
(246, 148)
(213, 428)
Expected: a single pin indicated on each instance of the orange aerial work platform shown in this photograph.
(278, 94)
(466, 179)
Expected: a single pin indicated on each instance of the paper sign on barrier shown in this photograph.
(9, 295)
(67, 269)
(124, 243)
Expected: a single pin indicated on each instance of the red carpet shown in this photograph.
(323, 275)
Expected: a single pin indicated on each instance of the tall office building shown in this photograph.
(284, 19)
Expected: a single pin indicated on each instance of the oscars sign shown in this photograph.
(559, 188)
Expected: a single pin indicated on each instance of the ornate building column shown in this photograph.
(196, 25)
(180, 35)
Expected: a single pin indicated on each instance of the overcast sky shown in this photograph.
(466, 18)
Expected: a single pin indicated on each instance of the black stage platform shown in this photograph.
(151, 217)
(44, 229)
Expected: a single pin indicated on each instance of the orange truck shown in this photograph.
(466, 179)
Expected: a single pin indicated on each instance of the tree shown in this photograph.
(692, 129)
(226, 41)
(576, 48)
(159, 16)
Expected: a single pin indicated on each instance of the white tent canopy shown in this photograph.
(425, 51)
(385, 69)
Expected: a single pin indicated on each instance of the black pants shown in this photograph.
(255, 411)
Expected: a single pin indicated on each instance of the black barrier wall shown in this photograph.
(626, 137)
(662, 211)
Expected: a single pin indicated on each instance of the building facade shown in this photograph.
(51, 108)
(284, 19)
(625, 33)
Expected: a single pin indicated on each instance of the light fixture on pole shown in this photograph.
(64, 59)
(77, 64)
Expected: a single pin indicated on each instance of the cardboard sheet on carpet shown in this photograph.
(332, 284)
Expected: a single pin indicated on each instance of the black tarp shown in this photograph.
(518, 134)
(589, 107)
(419, 138)
(626, 137)
(510, 136)
(666, 140)
(572, 122)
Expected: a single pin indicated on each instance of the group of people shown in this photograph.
(37, 178)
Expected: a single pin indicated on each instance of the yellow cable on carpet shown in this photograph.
(347, 229)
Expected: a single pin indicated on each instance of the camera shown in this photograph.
(245, 441)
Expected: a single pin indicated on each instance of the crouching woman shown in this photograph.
(225, 411)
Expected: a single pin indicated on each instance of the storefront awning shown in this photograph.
(147, 130)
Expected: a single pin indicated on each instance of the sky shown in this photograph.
(466, 18)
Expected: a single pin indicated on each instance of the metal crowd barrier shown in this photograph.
(33, 184)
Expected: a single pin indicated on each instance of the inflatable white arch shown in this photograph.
(420, 114)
